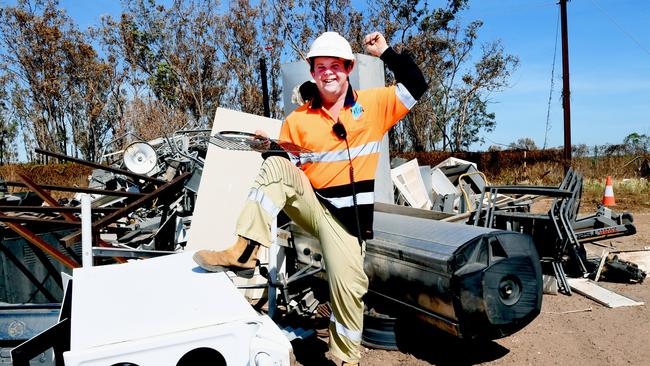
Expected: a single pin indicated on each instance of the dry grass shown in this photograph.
(68, 175)
(632, 192)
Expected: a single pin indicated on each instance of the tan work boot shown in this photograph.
(241, 255)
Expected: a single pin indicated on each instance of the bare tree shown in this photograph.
(162, 67)
(8, 128)
(143, 115)
(524, 143)
(171, 54)
(454, 111)
(243, 50)
(59, 87)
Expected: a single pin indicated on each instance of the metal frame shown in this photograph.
(116, 215)
(561, 216)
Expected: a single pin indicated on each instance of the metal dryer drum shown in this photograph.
(471, 282)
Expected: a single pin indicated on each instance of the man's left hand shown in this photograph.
(375, 43)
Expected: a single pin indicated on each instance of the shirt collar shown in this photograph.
(350, 99)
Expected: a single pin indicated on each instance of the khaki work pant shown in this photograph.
(280, 185)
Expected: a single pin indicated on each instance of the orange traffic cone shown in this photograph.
(608, 198)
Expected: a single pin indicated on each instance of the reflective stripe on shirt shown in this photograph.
(404, 96)
(342, 155)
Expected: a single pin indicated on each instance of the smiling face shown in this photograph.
(331, 76)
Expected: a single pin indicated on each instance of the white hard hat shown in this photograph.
(331, 44)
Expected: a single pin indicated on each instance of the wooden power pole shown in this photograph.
(566, 91)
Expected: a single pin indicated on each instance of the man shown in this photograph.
(332, 195)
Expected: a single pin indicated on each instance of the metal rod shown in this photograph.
(45, 196)
(80, 190)
(129, 253)
(49, 209)
(99, 166)
(34, 220)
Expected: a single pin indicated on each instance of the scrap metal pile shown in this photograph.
(456, 191)
(143, 200)
(141, 204)
(458, 258)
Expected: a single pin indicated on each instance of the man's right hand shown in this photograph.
(261, 142)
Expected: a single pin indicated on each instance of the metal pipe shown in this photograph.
(265, 88)
(80, 190)
(49, 209)
(86, 232)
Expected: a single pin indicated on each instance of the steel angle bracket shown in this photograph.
(102, 192)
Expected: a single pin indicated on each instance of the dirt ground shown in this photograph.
(571, 330)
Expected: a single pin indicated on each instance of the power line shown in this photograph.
(494, 142)
(628, 34)
(550, 94)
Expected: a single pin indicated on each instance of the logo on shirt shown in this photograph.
(357, 110)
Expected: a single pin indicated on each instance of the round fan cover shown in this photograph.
(140, 158)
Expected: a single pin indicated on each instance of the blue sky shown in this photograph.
(609, 54)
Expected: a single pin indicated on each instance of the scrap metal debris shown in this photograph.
(462, 193)
(142, 204)
(619, 270)
(144, 199)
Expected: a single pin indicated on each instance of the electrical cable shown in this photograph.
(496, 143)
(628, 34)
(550, 94)
(341, 133)
(354, 194)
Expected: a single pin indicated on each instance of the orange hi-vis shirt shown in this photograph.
(366, 115)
